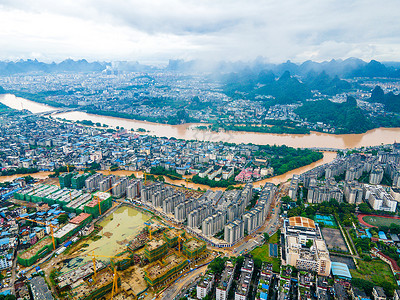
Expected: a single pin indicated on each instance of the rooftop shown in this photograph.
(193, 244)
(301, 222)
(64, 230)
(80, 218)
(340, 269)
(154, 244)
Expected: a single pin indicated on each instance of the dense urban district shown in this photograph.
(89, 211)
(349, 96)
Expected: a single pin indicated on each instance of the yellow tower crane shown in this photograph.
(115, 276)
(179, 243)
(51, 228)
(98, 199)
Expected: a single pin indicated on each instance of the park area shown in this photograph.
(378, 221)
(263, 253)
(375, 271)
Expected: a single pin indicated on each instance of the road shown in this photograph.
(13, 274)
(173, 291)
(270, 226)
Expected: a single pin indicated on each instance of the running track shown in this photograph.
(361, 216)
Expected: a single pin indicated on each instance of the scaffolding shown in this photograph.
(193, 248)
(155, 249)
(65, 179)
(171, 237)
(162, 270)
(105, 201)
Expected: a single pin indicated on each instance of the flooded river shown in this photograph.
(38, 175)
(328, 157)
(187, 131)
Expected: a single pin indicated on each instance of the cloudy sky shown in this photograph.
(156, 30)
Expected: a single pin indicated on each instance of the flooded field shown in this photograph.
(118, 229)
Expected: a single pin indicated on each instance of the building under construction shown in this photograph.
(171, 237)
(66, 281)
(88, 289)
(32, 254)
(72, 201)
(93, 206)
(155, 249)
(72, 227)
(78, 181)
(162, 270)
(65, 179)
(193, 248)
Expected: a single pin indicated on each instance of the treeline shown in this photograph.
(343, 211)
(345, 117)
(19, 171)
(181, 116)
(172, 174)
(213, 183)
(284, 159)
(277, 129)
(61, 169)
(40, 97)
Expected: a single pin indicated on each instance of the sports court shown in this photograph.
(273, 250)
(326, 220)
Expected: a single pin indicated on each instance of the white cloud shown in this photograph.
(230, 30)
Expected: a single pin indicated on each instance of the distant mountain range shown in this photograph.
(348, 68)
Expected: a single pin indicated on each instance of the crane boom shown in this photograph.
(51, 228)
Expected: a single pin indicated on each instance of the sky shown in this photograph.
(158, 30)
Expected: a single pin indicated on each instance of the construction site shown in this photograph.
(127, 253)
(70, 200)
(151, 259)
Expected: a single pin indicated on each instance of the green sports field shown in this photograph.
(380, 221)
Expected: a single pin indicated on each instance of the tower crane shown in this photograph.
(51, 228)
(98, 199)
(115, 276)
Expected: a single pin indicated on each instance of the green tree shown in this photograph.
(364, 208)
(63, 218)
(28, 179)
(266, 237)
(217, 265)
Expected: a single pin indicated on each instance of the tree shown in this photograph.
(160, 178)
(63, 218)
(217, 265)
(309, 243)
(29, 179)
(364, 208)
(266, 237)
(286, 199)
(363, 284)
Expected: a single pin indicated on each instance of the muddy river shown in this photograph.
(188, 131)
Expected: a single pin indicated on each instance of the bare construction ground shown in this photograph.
(133, 281)
(39, 245)
(334, 239)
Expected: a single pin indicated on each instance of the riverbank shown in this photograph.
(328, 157)
(373, 137)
